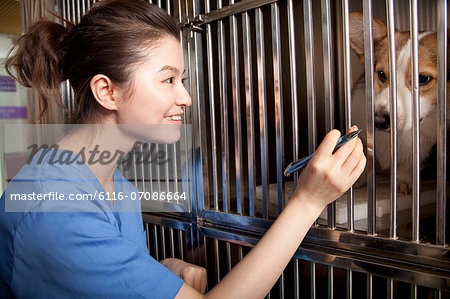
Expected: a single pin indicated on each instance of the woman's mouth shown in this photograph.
(174, 119)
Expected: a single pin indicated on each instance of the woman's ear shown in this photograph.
(104, 91)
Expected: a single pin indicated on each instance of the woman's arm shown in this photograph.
(326, 177)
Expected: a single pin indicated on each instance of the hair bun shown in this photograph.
(38, 56)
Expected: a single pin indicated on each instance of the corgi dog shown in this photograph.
(428, 94)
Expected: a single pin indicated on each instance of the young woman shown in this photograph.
(125, 64)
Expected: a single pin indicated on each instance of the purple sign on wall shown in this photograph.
(8, 112)
(7, 84)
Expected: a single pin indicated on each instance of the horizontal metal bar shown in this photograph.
(162, 220)
(230, 10)
(416, 255)
(357, 260)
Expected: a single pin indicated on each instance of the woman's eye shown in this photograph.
(382, 76)
(424, 80)
(183, 81)
(170, 80)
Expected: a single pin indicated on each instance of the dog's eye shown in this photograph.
(382, 76)
(424, 80)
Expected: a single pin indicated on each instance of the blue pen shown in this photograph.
(297, 165)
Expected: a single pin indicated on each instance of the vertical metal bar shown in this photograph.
(147, 230)
(293, 77)
(282, 285)
(348, 111)
(134, 166)
(415, 118)
(296, 279)
(330, 282)
(442, 125)
(278, 93)
(262, 109)
(166, 166)
(368, 56)
(212, 113)
(224, 116)
(175, 168)
(155, 241)
(141, 148)
(163, 242)
(393, 115)
(74, 18)
(171, 243)
(414, 291)
(313, 280)
(311, 95)
(249, 111)
(240, 252)
(83, 8)
(150, 171)
(168, 6)
(159, 3)
(235, 79)
(228, 256)
(328, 74)
(180, 244)
(216, 255)
(369, 286)
(390, 288)
(158, 174)
(349, 284)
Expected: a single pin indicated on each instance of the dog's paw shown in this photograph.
(404, 188)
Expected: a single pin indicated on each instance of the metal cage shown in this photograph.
(268, 79)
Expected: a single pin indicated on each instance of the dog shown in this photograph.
(428, 94)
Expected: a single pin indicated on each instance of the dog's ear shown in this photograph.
(356, 22)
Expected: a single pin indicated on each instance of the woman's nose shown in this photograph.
(184, 99)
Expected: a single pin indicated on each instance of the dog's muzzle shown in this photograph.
(382, 120)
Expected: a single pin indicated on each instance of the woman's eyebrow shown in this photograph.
(170, 68)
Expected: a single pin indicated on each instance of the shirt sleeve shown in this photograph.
(82, 254)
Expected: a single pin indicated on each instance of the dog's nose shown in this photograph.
(382, 120)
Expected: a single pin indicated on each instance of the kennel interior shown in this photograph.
(268, 79)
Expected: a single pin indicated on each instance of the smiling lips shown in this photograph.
(174, 119)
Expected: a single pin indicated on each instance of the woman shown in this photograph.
(125, 64)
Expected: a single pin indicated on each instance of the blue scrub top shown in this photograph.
(46, 253)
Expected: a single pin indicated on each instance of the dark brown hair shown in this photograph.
(110, 40)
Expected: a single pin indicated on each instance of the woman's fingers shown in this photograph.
(328, 144)
(354, 157)
(359, 168)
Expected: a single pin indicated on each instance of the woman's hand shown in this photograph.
(328, 175)
(193, 275)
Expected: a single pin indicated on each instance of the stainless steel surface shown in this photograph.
(225, 162)
(212, 113)
(415, 120)
(293, 78)
(330, 282)
(313, 280)
(348, 112)
(393, 116)
(418, 264)
(310, 89)
(349, 284)
(441, 201)
(370, 166)
(263, 126)
(328, 73)
(223, 12)
(278, 96)
(249, 98)
(235, 86)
